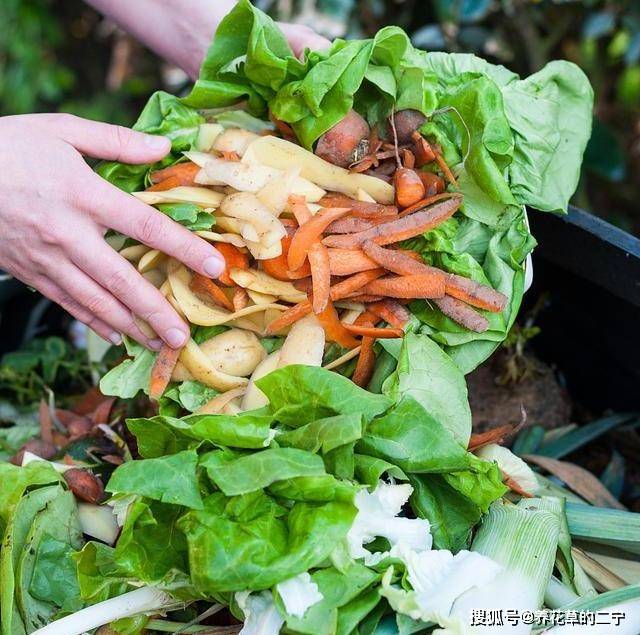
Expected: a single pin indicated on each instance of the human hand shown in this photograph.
(180, 31)
(55, 211)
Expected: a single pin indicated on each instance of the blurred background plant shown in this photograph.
(59, 55)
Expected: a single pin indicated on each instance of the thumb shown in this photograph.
(113, 143)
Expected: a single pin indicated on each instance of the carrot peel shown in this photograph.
(162, 370)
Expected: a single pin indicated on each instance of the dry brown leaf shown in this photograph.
(578, 479)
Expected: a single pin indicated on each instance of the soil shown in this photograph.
(544, 400)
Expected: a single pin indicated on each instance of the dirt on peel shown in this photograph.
(545, 402)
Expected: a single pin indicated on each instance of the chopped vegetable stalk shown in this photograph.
(144, 600)
(261, 616)
(511, 465)
(523, 540)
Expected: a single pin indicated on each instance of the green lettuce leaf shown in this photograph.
(410, 438)
(99, 578)
(169, 479)
(324, 434)
(259, 470)
(132, 375)
(192, 216)
(429, 376)
(251, 542)
(160, 435)
(302, 394)
(451, 514)
(151, 548)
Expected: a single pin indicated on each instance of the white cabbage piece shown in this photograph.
(298, 594)
(378, 517)
(438, 578)
(261, 616)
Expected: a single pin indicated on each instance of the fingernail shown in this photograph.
(115, 338)
(156, 142)
(175, 338)
(213, 266)
(155, 345)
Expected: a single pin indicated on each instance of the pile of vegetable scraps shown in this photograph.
(309, 466)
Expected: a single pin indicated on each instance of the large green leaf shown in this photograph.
(251, 542)
(428, 375)
(169, 479)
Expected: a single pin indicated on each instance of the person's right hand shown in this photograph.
(54, 212)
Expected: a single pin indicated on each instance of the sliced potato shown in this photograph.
(248, 176)
(145, 327)
(254, 398)
(234, 352)
(284, 155)
(207, 135)
(260, 252)
(232, 225)
(241, 176)
(304, 344)
(275, 194)
(261, 298)
(155, 276)
(183, 194)
(200, 366)
(151, 260)
(351, 315)
(196, 311)
(234, 140)
(364, 196)
(134, 252)
(247, 207)
(219, 403)
(214, 237)
(180, 373)
(263, 283)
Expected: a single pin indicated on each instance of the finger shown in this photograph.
(124, 213)
(114, 143)
(55, 293)
(301, 37)
(120, 278)
(82, 291)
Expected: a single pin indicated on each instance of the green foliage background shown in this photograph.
(60, 55)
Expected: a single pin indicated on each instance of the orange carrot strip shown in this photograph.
(391, 312)
(398, 230)
(310, 232)
(360, 209)
(462, 313)
(230, 156)
(364, 298)
(300, 209)
(288, 317)
(475, 294)
(162, 370)
(425, 285)
(185, 173)
(367, 319)
(352, 225)
(207, 287)
(167, 184)
(422, 149)
(345, 262)
(350, 285)
(240, 299)
(278, 267)
(320, 276)
(233, 257)
(448, 174)
(372, 331)
(334, 329)
(366, 363)
(395, 260)
(282, 127)
(429, 200)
